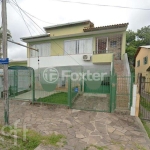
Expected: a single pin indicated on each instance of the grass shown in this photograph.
(96, 147)
(147, 127)
(57, 98)
(145, 103)
(33, 140)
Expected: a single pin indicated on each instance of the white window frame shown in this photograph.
(31, 45)
(78, 42)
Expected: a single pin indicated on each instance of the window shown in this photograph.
(145, 60)
(81, 46)
(44, 50)
(138, 63)
(113, 43)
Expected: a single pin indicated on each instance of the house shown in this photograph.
(78, 44)
(142, 64)
(66, 45)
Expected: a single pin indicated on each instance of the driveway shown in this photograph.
(84, 130)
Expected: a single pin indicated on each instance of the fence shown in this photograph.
(77, 90)
(144, 90)
(21, 82)
(91, 94)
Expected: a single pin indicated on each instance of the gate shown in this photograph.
(144, 91)
(121, 92)
(21, 83)
(124, 85)
(91, 95)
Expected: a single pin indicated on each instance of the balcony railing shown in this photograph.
(102, 52)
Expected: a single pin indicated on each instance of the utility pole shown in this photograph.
(5, 70)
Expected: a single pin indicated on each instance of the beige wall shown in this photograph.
(143, 67)
(102, 58)
(67, 30)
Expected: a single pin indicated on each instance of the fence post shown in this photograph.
(140, 81)
(33, 84)
(69, 90)
(113, 93)
(131, 89)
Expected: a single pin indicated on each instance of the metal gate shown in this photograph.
(121, 92)
(144, 91)
(21, 83)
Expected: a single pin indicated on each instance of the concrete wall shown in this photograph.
(67, 60)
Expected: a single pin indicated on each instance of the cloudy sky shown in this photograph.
(56, 11)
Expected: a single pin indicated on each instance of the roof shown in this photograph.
(148, 69)
(147, 46)
(69, 24)
(106, 27)
(37, 36)
(139, 48)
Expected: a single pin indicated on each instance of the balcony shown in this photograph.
(102, 56)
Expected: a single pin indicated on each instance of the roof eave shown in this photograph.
(68, 24)
(35, 37)
(75, 35)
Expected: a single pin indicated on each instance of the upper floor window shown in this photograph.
(44, 50)
(145, 60)
(138, 63)
(110, 44)
(81, 46)
(113, 43)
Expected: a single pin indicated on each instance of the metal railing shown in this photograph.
(144, 90)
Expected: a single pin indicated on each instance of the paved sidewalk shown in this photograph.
(81, 128)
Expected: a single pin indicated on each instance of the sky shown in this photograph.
(57, 12)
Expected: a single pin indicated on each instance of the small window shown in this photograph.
(145, 60)
(113, 43)
(138, 63)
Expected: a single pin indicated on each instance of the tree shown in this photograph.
(144, 35)
(130, 36)
(136, 39)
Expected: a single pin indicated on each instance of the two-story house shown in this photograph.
(82, 44)
(77, 43)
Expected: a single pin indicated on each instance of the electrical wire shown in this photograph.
(44, 32)
(28, 16)
(24, 20)
(35, 16)
(20, 15)
(84, 3)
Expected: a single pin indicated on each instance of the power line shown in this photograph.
(20, 15)
(28, 16)
(53, 41)
(36, 17)
(24, 20)
(84, 3)
(67, 53)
